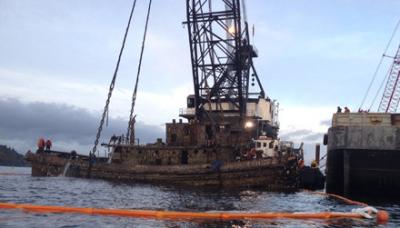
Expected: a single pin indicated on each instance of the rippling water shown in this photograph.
(98, 193)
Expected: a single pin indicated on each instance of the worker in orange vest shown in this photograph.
(301, 163)
(48, 144)
(41, 143)
(252, 153)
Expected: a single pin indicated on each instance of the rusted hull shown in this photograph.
(271, 174)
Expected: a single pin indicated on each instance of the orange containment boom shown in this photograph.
(179, 215)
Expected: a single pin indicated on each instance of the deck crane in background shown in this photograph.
(391, 94)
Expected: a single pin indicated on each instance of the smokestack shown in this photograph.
(317, 152)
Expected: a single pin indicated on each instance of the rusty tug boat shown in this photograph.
(230, 134)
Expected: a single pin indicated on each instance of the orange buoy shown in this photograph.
(382, 217)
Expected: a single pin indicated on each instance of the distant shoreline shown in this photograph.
(16, 166)
(10, 157)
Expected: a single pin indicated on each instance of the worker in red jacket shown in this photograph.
(41, 144)
(48, 144)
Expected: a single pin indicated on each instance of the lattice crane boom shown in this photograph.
(221, 54)
(391, 94)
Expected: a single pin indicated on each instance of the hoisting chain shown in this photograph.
(100, 128)
(131, 122)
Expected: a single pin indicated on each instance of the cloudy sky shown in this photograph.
(57, 60)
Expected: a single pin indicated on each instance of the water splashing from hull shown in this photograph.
(66, 168)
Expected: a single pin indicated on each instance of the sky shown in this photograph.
(57, 59)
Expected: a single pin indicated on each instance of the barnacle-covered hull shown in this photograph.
(271, 173)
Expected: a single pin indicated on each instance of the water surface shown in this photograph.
(22, 188)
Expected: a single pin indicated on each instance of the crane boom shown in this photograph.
(221, 54)
(391, 94)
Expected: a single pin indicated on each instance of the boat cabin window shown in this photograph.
(184, 157)
(265, 145)
(186, 130)
(271, 145)
(173, 138)
(190, 102)
(258, 145)
(209, 132)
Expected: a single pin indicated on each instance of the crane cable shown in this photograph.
(131, 117)
(378, 67)
(100, 128)
(244, 9)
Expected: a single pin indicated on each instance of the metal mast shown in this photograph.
(391, 95)
(221, 55)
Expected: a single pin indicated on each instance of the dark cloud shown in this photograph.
(24, 123)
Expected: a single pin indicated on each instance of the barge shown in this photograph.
(363, 154)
